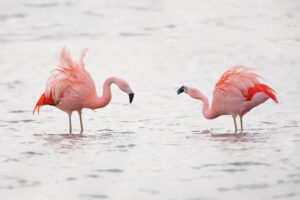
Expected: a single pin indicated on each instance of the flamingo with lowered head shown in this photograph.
(235, 94)
(71, 88)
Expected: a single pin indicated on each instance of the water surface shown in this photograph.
(159, 147)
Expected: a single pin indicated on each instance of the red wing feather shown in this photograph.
(261, 88)
(43, 100)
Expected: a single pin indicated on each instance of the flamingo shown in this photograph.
(235, 94)
(71, 88)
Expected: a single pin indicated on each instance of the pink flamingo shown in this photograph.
(236, 93)
(72, 88)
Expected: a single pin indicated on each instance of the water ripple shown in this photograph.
(110, 170)
(245, 187)
(41, 5)
(93, 196)
(132, 34)
(7, 17)
(249, 163)
(287, 195)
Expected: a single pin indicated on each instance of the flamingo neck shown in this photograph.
(100, 102)
(207, 112)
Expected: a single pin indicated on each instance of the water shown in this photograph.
(159, 147)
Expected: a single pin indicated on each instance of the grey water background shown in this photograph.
(159, 147)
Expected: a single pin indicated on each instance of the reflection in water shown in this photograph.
(228, 137)
(234, 142)
(106, 136)
(232, 137)
(64, 141)
(70, 141)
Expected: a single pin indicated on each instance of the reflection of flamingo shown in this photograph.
(236, 93)
(72, 88)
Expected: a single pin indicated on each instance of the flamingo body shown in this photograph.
(236, 93)
(71, 88)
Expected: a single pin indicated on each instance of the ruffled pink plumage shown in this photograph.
(237, 92)
(240, 81)
(69, 78)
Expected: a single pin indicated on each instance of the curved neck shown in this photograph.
(100, 102)
(207, 113)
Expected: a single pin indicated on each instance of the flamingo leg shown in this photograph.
(241, 119)
(235, 126)
(81, 126)
(70, 124)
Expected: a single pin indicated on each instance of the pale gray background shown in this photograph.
(159, 147)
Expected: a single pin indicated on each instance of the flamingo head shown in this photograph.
(193, 92)
(124, 86)
(182, 89)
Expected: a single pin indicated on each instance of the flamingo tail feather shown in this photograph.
(262, 88)
(43, 100)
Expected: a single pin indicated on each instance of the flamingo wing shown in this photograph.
(69, 79)
(242, 82)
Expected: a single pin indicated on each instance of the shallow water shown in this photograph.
(159, 147)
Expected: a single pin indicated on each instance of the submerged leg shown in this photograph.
(235, 126)
(241, 119)
(70, 124)
(81, 126)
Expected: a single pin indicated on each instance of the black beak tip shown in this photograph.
(131, 95)
(180, 90)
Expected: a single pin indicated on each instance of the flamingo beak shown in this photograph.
(180, 90)
(131, 95)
